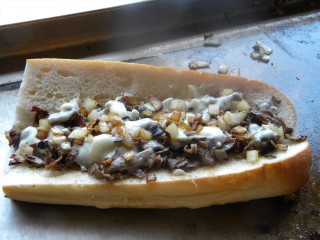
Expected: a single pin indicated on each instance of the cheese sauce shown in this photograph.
(105, 145)
(28, 136)
(261, 133)
(67, 111)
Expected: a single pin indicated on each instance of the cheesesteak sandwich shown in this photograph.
(112, 134)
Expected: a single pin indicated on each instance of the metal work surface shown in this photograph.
(293, 69)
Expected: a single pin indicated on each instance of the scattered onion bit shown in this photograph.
(163, 123)
(127, 140)
(128, 156)
(226, 91)
(42, 134)
(26, 150)
(57, 130)
(199, 129)
(178, 105)
(282, 147)
(66, 146)
(185, 126)
(172, 129)
(147, 113)
(119, 131)
(145, 134)
(89, 105)
(156, 103)
(243, 106)
(190, 119)
(130, 99)
(84, 112)
(175, 116)
(159, 116)
(113, 118)
(106, 162)
(213, 109)
(44, 124)
(57, 139)
(239, 130)
(78, 135)
(252, 156)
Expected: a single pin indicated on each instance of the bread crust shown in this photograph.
(234, 181)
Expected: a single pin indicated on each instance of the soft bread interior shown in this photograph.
(50, 82)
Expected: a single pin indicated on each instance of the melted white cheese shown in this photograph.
(28, 136)
(102, 146)
(117, 107)
(198, 105)
(66, 112)
(211, 132)
(133, 127)
(261, 133)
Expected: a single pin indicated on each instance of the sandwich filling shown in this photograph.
(129, 138)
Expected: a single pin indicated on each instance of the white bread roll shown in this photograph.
(48, 83)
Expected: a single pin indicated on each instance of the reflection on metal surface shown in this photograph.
(18, 11)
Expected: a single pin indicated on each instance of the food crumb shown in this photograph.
(193, 65)
(223, 69)
(261, 52)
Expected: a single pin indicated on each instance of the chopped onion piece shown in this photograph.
(226, 92)
(252, 156)
(26, 149)
(44, 125)
(199, 129)
(172, 129)
(57, 130)
(84, 111)
(282, 147)
(190, 119)
(119, 131)
(89, 138)
(178, 105)
(58, 139)
(41, 134)
(145, 135)
(163, 123)
(239, 129)
(66, 146)
(159, 116)
(128, 156)
(243, 106)
(107, 162)
(221, 123)
(147, 112)
(130, 99)
(213, 109)
(127, 140)
(103, 127)
(94, 114)
(113, 118)
(233, 119)
(185, 126)
(89, 105)
(78, 133)
(175, 116)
